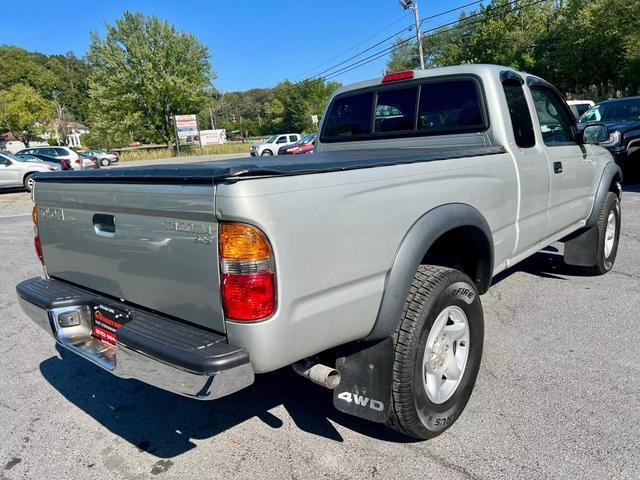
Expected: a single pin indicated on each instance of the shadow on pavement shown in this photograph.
(12, 190)
(164, 424)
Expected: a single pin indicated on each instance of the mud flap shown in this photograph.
(366, 371)
(581, 248)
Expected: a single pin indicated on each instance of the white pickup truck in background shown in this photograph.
(273, 144)
(362, 265)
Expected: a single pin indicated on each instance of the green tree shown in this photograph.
(60, 77)
(24, 112)
(588, 49)
(143, 72)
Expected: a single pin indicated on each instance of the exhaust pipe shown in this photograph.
(316, 372)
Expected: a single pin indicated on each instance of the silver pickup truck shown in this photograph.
(360, 265)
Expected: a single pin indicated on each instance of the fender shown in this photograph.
(609, 174)
(413, 247)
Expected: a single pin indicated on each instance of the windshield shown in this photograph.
(21, 158)
(614, 111)
(26, 158)
(272, 139)
(306, 139)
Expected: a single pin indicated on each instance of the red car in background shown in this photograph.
(304, 145)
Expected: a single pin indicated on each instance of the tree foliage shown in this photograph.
(24, 112)
(143, 72)
(56, 76)
(288, 107)
(587, 49)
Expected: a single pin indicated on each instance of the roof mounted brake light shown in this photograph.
(394, 77)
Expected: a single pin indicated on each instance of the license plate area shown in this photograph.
(107, 320)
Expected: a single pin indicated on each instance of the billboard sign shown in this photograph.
(212, 137)
(186, 126)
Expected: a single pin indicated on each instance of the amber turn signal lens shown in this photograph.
(34, 214)
(242, 242)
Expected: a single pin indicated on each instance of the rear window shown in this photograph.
(396, 110)
(432, 108)
(350, 116)
(447, 107)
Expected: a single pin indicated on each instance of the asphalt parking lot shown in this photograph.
(558, 395)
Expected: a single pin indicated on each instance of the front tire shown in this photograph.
(437, 352)
(608, 227)
(266, 153)
(105, 162)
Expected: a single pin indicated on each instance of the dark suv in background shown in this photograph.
(622, 118)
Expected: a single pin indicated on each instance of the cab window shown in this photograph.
(556, 124)
(282, 140)
(519, 113)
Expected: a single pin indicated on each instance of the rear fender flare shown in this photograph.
(413, 247)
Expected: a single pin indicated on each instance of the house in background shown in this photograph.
(67, 132)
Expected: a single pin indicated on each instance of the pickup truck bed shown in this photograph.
(221, 170)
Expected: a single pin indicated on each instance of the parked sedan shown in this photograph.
(64, 153)
(304, 145)
(16, 170)
(104, 158)
(622, 118)
(37, 157)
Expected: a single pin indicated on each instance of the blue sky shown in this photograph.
(252, 43)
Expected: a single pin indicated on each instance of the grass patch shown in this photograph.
(185, 151)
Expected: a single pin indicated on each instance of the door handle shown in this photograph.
(104, 225)
(557, 167)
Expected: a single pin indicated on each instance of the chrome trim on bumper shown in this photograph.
(126, 362)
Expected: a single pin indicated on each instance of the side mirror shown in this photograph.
(596, 133)
(7, 163)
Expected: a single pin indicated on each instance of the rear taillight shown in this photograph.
(77, 161)
(248, 283)
(36, 239)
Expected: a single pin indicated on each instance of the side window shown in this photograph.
(282, 140)
(395, 110)
(519, 113)
(293, 138)
(555, 122)
(61, 152)
(448, 106)
(350, 116)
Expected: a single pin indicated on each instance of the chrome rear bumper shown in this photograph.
(170, 355)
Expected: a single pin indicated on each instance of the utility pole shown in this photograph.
(413, 4)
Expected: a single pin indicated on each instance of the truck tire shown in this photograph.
(608, 227)
(266, 152)
(437, 352)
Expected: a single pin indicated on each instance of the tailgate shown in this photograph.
(153, 245)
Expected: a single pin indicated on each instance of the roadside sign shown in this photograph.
(212, 137)
(186, 126)
(314, 119)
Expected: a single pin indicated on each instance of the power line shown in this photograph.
(438, 31)
(357, 44)
(408, 28)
